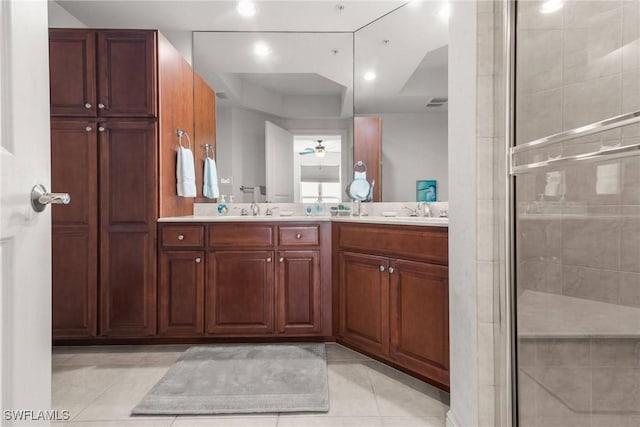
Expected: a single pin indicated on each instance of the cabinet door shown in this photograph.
(419, 318)
(298, 292)
(181, 293)
(364, 296)
(240, 293)
(74, 170)
(128, 209)
(127, 76)
(72, 72)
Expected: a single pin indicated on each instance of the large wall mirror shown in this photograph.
(285, 103)
(284, 112)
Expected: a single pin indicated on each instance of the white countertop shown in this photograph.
(545, 315)
(431, 222)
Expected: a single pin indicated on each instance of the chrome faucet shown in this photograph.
(412, 211)
(255, 209)
(269, 211)
(425, 209)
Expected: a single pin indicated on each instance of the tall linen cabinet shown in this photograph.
(117, 100)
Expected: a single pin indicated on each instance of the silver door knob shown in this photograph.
(382, 268)
(298, 236)
(40, 198)
(101, 106)
(87, 106)
(391, 270)
(281, 259)
(198, 260)
(269, 259)
(101, 129)
(180, 237)
(88, 128)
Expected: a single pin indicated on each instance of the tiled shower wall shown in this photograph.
(578, 242)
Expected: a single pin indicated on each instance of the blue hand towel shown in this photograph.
(186, 173)
(210, 187)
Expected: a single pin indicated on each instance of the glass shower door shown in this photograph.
(576, 163)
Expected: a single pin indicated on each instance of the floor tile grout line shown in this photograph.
(373, 390)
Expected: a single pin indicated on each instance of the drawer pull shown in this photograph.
(382, 268)
(281, 259)
(87, 106)
(269, 259)
(391, 270)
(298, 236)
(101, 106)
(181, 237)
(88, 128)
(198, 260)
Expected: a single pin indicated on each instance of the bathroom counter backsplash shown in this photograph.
(377, 213)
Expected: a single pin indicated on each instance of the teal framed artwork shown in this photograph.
(427, 190)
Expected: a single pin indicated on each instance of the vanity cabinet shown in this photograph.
(260, 279)
(392, 295)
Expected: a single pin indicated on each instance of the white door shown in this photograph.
(279, 168)
(25, 236)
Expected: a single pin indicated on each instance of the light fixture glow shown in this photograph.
(551, 6)
(445, 12)
(246, 8)
(369, 76)
(320, 150)
(261, 49)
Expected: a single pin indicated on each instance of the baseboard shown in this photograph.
(451, 420)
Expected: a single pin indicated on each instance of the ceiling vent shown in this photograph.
(437, 102)
(222, 95)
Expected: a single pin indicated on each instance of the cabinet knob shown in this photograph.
(269, 259)
(88, 128)
(281, 259)
(87, 106)
(198, 260)
(391, 270)
(101, 128)
(101, 106)
(298, 236)
(382, 268)
(180, 237)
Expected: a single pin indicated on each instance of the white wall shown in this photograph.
(60, 18)
(414, 147)
(181, 40)
(462, 216)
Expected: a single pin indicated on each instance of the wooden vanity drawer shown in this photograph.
(240, 235)
(182, 236)
(299, 235)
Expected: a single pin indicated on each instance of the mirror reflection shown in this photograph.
(400, 79)
(284, 106)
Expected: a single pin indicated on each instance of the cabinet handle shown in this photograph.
(269, 259)
(391, 270)
(101, 129)
(298, 236)
(198, 260)
(180, 237)
(88, 128)
(87, 106)
(101, 106)
(382, 268)
(281, 259)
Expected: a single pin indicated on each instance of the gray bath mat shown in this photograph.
(242, 378)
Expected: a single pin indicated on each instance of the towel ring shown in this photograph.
(209, 148)
(360, 164)
(181, 133)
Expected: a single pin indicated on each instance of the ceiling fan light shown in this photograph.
(320, 151)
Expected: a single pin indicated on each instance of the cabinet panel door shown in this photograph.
(181, 293)
(240, 297)
(127, 76)
(364, 296)
(128, 209)
(72, 72)
(298, 308)
(419, 304)
(74, 170)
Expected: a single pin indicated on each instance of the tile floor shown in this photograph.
(100, 386)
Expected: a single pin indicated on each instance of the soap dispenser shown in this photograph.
(222, 206)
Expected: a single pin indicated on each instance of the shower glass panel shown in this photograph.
(577, 213)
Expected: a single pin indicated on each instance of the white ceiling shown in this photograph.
(305, 76)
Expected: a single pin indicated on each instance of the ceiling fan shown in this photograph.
(319, 150)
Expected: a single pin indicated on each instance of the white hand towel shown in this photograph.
(608, 179)
(555, 184)
(210, 187)
(186, 173)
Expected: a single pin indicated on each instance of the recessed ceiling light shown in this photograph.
(369, 76)
(261, 49)
(551, 6)
(246, 8)
(445, 12)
